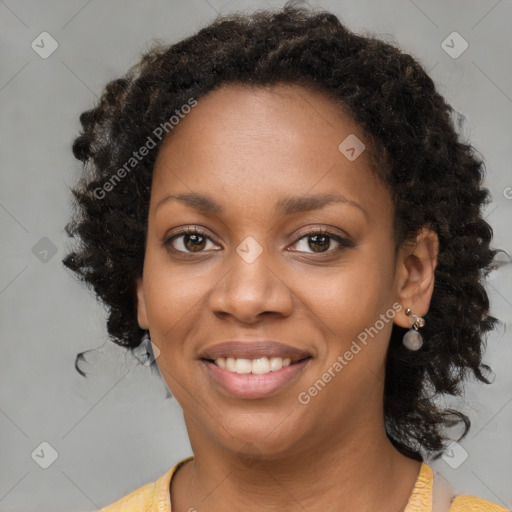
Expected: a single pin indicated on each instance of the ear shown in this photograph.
(142, 315)
(416, 263)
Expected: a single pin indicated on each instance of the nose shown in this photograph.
(251, 289)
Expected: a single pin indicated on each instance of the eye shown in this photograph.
(189, 240)
(319, 241)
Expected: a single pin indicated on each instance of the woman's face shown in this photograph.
(293, 244)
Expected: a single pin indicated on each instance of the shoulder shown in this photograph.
(466, 503)
(427, 484)
(149, 497)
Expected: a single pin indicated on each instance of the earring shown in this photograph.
(412, 338)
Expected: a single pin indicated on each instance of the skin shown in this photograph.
(247, 149)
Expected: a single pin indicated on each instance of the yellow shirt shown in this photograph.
(155, 497)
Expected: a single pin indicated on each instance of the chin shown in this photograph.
(260, 436)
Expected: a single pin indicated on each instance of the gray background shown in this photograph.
(114, 431)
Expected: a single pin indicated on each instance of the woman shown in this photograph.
(285, 210)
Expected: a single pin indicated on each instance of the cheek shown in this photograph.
(169, 300)
(348, 309)
(173, 302)
(347, 306)
(354, 293)
(174, 299)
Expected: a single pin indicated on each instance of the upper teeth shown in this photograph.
(257, 366)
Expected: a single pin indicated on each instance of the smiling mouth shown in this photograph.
(257, 366)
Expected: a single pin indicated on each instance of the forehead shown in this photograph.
(279, 110)
(246, 139)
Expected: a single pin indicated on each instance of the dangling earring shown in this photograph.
(412, 338)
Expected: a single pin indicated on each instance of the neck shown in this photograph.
(363, 473)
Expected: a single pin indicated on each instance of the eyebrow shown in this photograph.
(289, 205)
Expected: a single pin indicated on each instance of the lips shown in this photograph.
(253, 350)
(254, 384)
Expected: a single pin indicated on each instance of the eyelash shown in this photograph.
(343, 242)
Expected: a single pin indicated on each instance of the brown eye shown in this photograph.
(194, 243)
(189, 240)
(320, 242)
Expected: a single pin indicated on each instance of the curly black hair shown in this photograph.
(434, 178)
